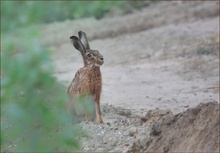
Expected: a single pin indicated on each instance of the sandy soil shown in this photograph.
(163, 56)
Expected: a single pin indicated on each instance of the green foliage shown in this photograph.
(88, 104)
(33, 116)
(24, 13)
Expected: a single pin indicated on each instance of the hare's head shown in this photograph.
(90, 57)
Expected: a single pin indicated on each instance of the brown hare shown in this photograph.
(88, 79)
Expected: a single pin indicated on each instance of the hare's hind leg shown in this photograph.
(98, 113)
(88, 119)
(89, 108)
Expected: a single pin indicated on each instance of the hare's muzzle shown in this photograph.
(101, 60)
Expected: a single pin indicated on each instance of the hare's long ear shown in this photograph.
(83, 39)
(78, 44)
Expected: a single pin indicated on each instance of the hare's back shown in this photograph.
(78, 83)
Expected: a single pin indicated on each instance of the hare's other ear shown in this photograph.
(83, 39)
(77, 44)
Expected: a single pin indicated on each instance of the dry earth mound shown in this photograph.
(194, 130)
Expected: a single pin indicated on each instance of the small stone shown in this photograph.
(100, 150)
(125, 133)
(132, 131)
(156, 130)
(143, 119)
(124, 112)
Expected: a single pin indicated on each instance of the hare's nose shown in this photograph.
(101, 58)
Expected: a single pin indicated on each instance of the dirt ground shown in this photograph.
(152, 57)
(164, 56)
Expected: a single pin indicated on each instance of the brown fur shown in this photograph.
(87, 80)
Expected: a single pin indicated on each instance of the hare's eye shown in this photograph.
(89, 55)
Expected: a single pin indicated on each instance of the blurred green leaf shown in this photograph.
(15, 14)
(33, 115)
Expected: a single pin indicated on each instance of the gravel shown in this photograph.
(123, 131)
